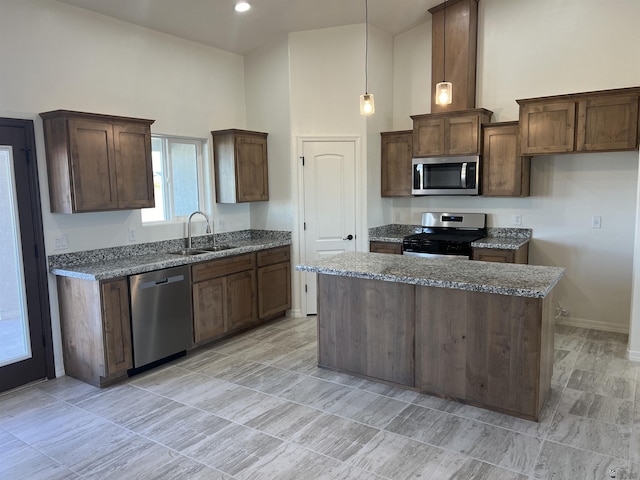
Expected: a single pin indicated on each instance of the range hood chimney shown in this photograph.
(460, 50)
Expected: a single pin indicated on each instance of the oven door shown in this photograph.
(445, 176)
(436, 255)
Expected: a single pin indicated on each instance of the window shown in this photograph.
(178, 177)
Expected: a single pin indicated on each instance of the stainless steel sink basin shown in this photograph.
(188, 251)
(217, 248)
(201, 250)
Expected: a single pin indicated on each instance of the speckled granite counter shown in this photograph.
(392, 233)
(108, 263)
(505, 279)
(504, 238)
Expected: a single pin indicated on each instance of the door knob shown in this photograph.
(348, 237)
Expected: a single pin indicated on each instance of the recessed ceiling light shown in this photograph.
(242, 6)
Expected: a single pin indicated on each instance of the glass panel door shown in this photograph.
(14, 323)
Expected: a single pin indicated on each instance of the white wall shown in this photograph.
(55, 56)
(530, 49)
(267, 91)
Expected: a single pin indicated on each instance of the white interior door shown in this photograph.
(329, 183)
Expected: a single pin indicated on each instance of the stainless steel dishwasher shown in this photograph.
(161, 320)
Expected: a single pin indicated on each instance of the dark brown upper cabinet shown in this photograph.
(505, 172)
(97, 162)
(602, 121)
(449, 133)
(241, 167)
(395, 159)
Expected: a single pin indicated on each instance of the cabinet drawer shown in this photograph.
(224, 266)
(273, 255)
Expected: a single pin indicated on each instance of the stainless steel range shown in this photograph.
(446, 235)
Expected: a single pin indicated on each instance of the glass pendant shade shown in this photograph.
(367, 107)
(444, 93)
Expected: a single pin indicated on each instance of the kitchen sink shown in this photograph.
(217, 248)
(188, 251)
(201, 250)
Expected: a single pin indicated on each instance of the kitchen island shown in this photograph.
(476, 332)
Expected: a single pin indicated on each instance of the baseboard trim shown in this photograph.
(633, 355)
(595, 324)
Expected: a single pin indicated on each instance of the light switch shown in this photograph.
(596, 221)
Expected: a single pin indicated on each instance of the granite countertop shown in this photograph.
(105, 264)
(503, 278)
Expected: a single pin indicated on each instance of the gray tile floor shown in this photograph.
(257, 407)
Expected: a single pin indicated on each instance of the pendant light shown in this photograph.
(367, 107)
(444, 89)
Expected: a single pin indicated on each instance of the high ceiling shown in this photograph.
(215, 23)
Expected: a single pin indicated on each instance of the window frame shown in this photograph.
(202, 170)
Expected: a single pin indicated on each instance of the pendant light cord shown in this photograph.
(444, 44)
(366, 46)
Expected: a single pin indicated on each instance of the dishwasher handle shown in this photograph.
(162, 281)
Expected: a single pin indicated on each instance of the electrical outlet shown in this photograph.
(517, 219)
(132, 235)
(596, 221)
(61, 242)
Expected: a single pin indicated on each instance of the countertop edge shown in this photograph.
(151, 262)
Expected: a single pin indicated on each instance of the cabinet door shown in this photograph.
(462, 135)
(385, 247)
(241, 299)
(209, 309)
(93, 165)
(504, 172)
(428, 136)
(521, 255)
(547, 128)
(117, 326)
(251, 169)
(395, 158)
(274, 289)
(608, 123)
(132, 144)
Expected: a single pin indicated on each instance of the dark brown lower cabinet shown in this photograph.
(234, 293)
(224, 296)
(96, 329)
(521, 255)
(274, 282)
(385, 247)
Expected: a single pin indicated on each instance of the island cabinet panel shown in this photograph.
(483, 349)
(355, 334)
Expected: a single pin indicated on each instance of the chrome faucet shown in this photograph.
(209, 229)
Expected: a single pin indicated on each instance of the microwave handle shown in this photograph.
(463, 175)
(420, 170)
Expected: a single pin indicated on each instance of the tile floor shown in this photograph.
(257, 407)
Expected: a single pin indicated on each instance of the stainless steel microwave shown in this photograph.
(456, 175)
